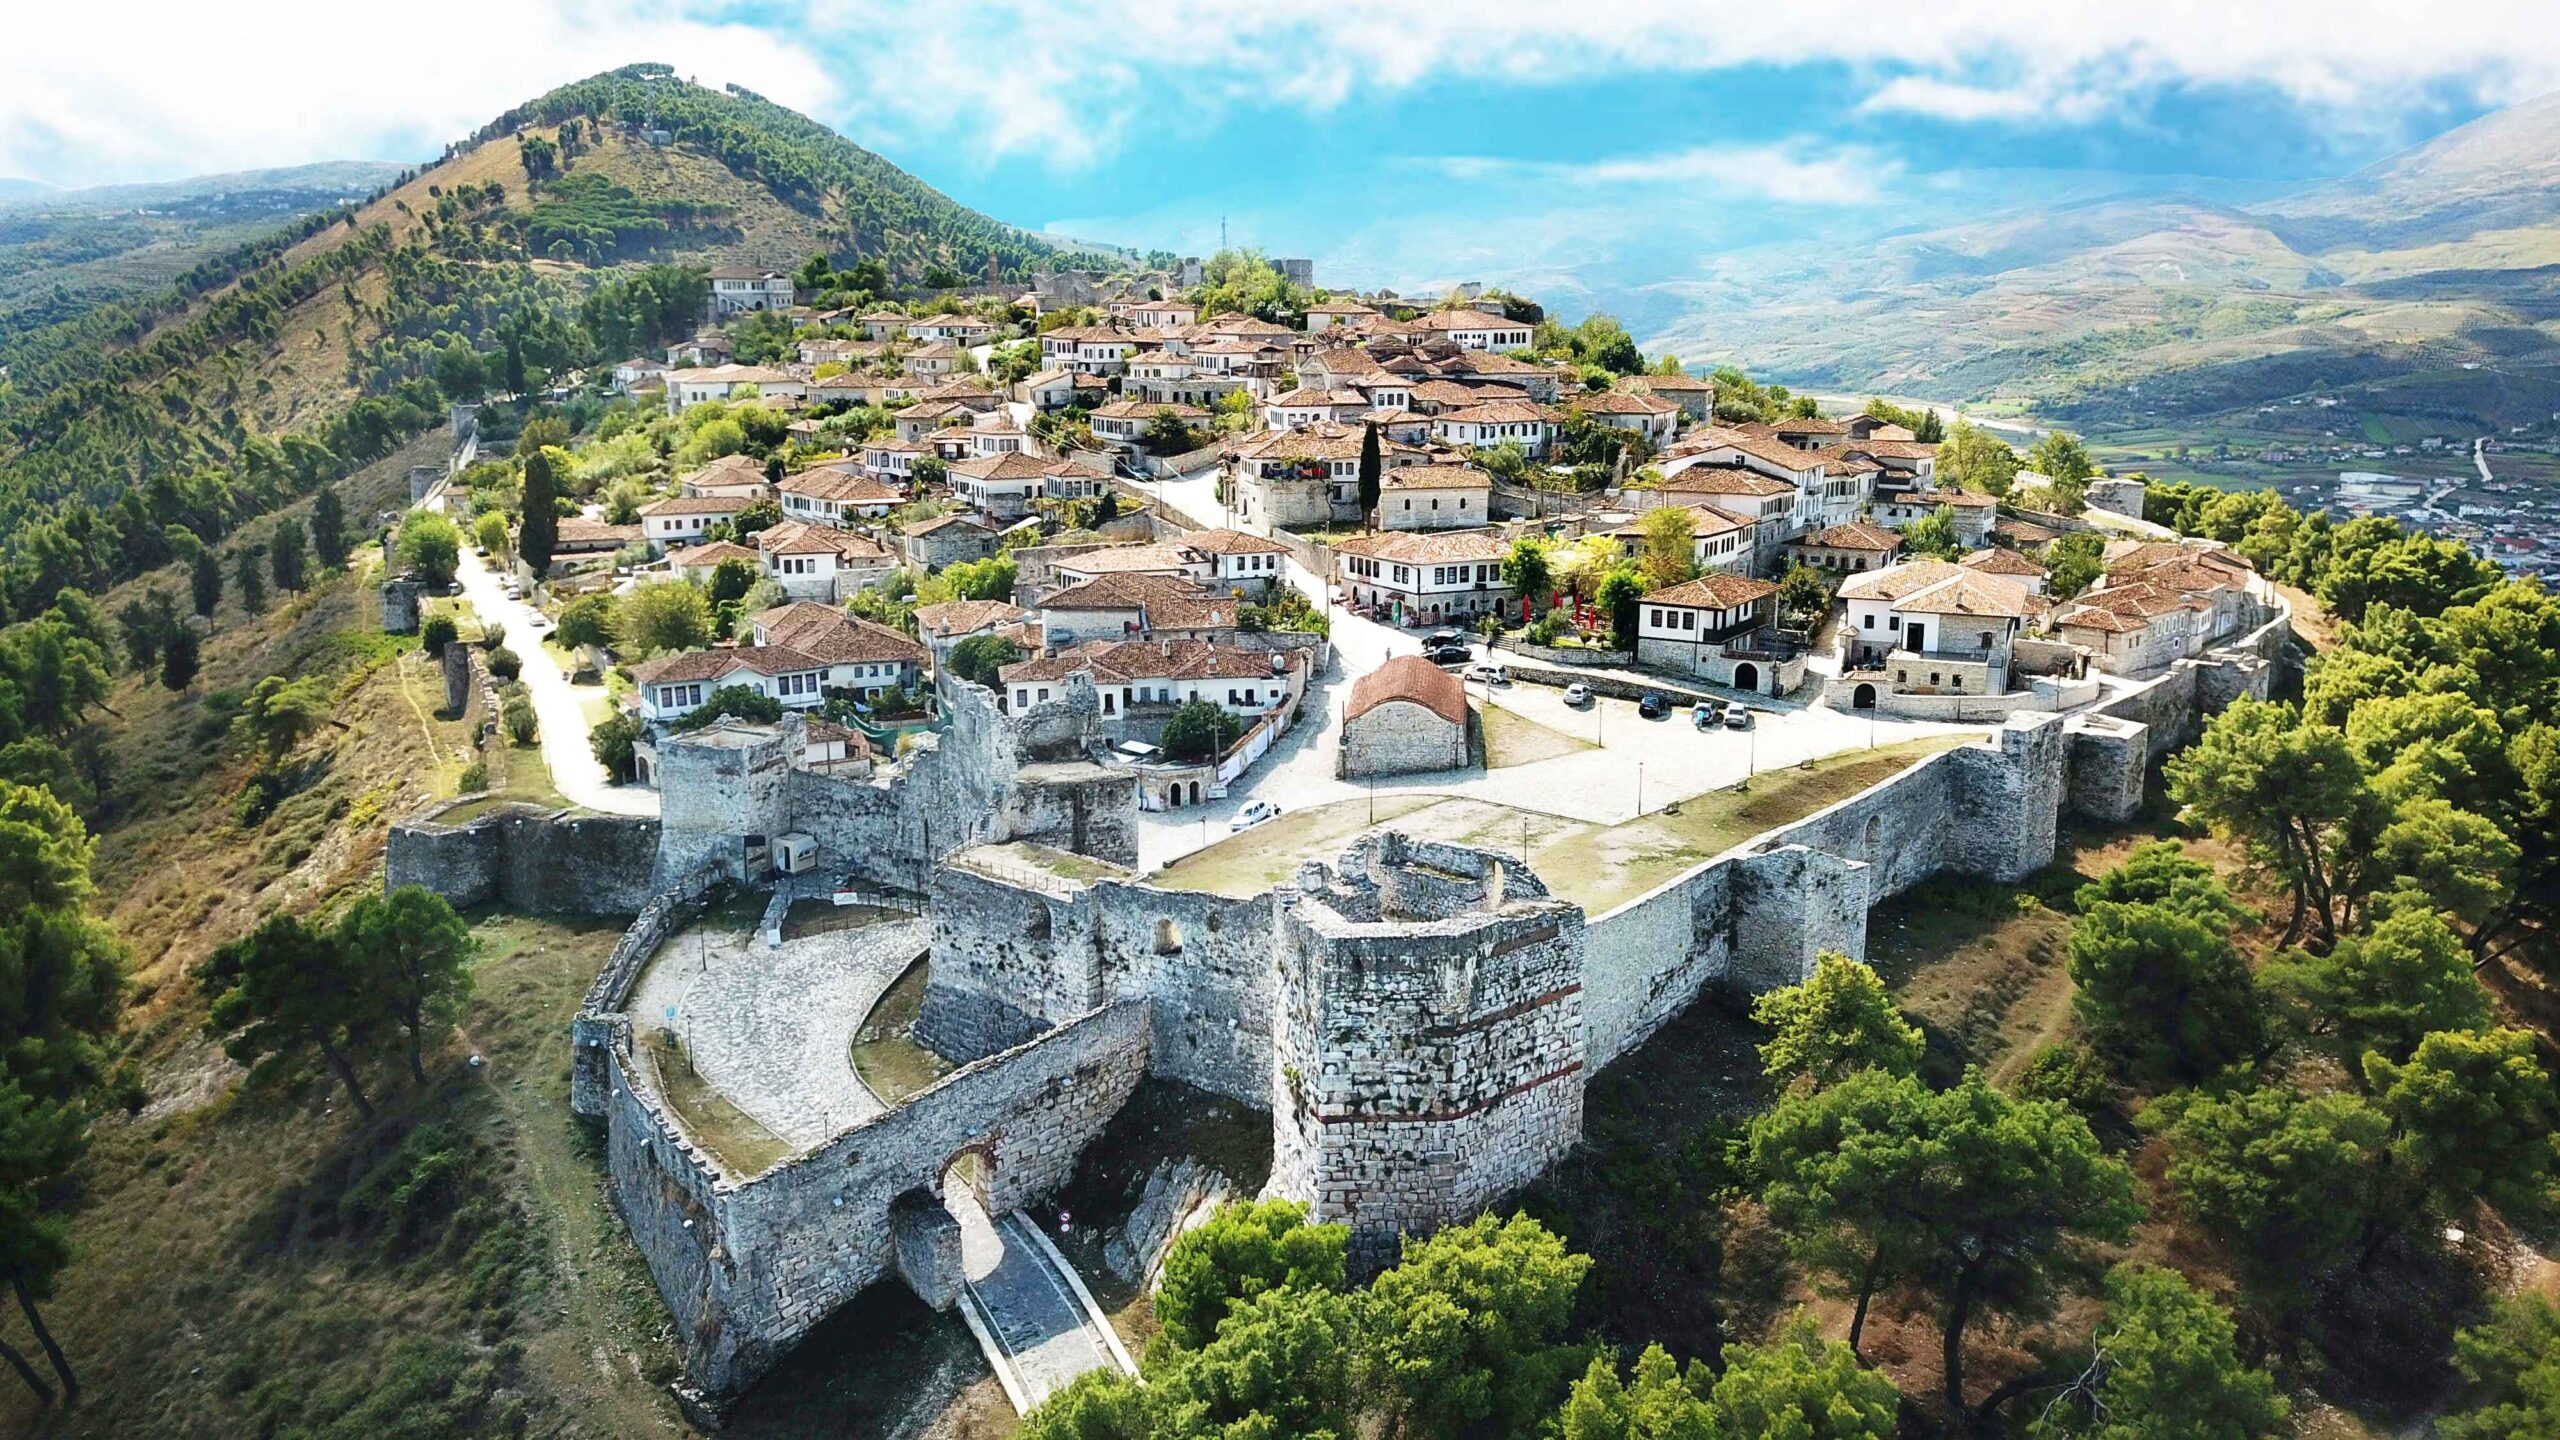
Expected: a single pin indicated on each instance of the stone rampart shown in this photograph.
(541, 861)
(1010, 959)
(749, 1265)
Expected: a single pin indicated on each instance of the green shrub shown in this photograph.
(435, 633)
(505, 663)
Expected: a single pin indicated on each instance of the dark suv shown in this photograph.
(1653, 706)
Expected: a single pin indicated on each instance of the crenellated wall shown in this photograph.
(1420, 1019)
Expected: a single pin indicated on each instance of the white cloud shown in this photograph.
(1799, 172)
(160, 88)
(1078, 82)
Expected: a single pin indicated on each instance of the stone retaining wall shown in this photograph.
(538, 861)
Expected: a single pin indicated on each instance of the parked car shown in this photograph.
(480, 550)
(1437, 639)
(1654, 705)
(1705, 716)
(1737, 718)
(1577, 693)
(1491, 672)
(539, 622)
(1253, 813)
(1449, 654)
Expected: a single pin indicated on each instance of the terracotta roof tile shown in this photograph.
(1410, 678)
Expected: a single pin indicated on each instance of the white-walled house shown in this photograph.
(1125, 422)
(1088, 349)
(962, 330)
(1710, 628)
(829, 496)
(738, 475)
(1973, 514)
(719, 382)
(1310, 476)
(1304, 406)
(1156, 675)
(1429, 577)
(1524, 422)
(1325, 314)
(680, 519)
(1717, 540)
(819, 562)
(1229, 560)
(1434, 497)
(638, 373)
(1475, 330)
(800, 653)
(1653, 417)
(1934, 627)
(737, 291)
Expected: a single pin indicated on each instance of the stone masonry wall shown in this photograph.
(1427, 1067)
(749, 1266)
(1009, 960)
(528, 860)
(1401, 738)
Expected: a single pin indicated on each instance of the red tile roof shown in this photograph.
(1415, 680)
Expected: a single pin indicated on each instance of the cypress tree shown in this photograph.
(539, 535)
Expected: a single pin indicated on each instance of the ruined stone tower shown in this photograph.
(1428, 1037)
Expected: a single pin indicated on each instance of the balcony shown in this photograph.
(1767, 646)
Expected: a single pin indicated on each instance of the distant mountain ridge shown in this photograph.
(349, 179)
(2131, 309)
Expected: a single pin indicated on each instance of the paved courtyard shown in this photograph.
(1601, 763)
(772, 1030)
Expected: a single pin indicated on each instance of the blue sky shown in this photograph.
(1496, 139)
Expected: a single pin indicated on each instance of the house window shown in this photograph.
(1870, 621)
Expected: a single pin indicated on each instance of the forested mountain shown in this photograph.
(570, 231)
(64, 251)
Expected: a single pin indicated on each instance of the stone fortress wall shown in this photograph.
(1419, 1019)
(528, 859)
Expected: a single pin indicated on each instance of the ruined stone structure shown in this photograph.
(400, 597)
(1429, 1034)
(529, 859)
(1420, 1020)
(457, 663)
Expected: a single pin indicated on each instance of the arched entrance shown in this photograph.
(1195, 792)
(971, 1170)
(1746, 676)
(1864, 697)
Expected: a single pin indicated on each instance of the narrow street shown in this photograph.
(559, 706)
